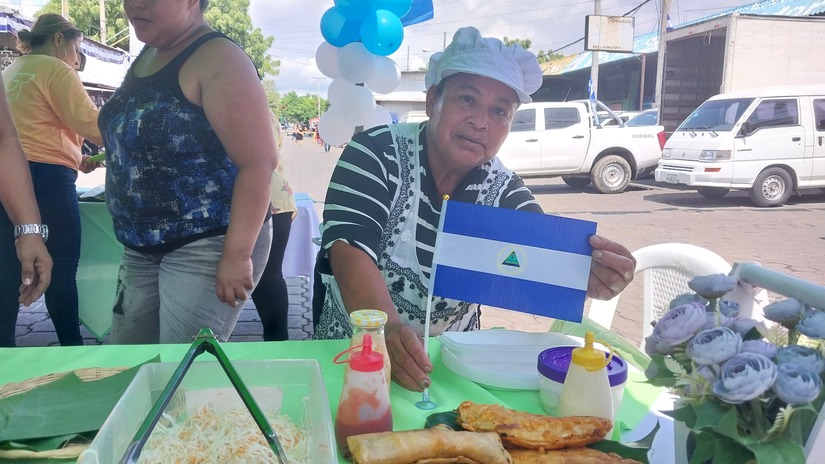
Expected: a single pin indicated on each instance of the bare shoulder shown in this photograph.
(222, 55)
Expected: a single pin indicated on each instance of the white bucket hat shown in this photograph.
(471, 53)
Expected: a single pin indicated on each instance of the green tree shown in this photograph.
(228, 16)
(543, 56)
(300, 109)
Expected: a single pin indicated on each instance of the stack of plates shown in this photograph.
(503, 359)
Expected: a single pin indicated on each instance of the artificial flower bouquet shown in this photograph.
(747, 392)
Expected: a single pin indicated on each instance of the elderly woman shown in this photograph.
(189, 157)
(385, 197)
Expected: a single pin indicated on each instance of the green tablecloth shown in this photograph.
(447, 389)
(100, 254)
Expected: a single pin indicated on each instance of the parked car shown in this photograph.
(645, 118)
(565, 139)
(769, 141)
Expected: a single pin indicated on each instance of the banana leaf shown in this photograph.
(65, 406)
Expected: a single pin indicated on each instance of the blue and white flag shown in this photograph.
(591, 92)
(524, 261)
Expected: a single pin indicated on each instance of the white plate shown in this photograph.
(503, 359)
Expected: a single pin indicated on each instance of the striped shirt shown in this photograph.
(372, 195)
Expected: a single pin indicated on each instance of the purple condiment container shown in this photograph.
(552, 366)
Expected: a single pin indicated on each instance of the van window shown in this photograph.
(774, 113)
(559, 118)
(524, 121)
(716, 115)
(819, 114)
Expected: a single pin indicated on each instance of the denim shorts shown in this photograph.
(169, 297)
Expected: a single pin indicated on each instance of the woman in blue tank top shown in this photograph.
(187, 179)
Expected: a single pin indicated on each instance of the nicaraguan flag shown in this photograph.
(591, 92)
(530, 262)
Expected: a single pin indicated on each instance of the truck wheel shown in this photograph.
(712, 192)
(611, 174)
(772, 187)
(576, 182)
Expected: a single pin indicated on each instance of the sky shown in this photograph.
(549, 24)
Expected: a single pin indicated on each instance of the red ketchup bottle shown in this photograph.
(364, 406)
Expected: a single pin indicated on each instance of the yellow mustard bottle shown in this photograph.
(586, 389)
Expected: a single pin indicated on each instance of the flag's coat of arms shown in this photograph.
(529, 262)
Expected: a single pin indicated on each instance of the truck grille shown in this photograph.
(670, 167)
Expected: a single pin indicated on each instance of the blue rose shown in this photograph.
(786, 312)
(744, 377)
(679, 324)
(812, 324)
(802, 355)
(729, 308)
(796, 384)
(714, 346)
(686, 298)
(766, 349)
(653, 346)
(712, 286)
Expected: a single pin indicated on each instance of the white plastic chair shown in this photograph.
(667, 268)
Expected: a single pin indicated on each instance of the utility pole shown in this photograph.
(64, 8)
(319, 78)
(594, 67)
(102, 4)
(660, 62)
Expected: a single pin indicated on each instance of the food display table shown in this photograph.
(100, 255)
(447, 389)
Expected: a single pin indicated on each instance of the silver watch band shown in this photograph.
(40, 229)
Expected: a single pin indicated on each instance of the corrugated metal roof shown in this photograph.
(649, 43)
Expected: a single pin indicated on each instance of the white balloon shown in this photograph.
(355, 62)
(337, 89)
(326, 58)
(386, 76)
(335, 128)
(380, 117)
(358, 104)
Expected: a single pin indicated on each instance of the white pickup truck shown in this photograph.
(568, 139)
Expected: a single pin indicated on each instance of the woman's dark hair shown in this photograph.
(46, 26)
(204, 4)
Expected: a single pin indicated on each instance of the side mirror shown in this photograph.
(745, 130)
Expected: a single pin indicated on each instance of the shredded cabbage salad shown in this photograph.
(211, 435)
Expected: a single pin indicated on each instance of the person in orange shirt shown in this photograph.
(17, 197)
(53, 114)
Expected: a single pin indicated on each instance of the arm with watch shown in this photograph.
(17, 197)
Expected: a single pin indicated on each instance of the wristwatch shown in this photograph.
(41, 229)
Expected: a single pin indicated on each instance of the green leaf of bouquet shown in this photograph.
(726, 424)
(800, 424)
(711, 414)
(779, 451)
(729, 451)
(664, 377)
(686, 415)
(705, 447)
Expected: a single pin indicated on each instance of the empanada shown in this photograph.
(533, 431)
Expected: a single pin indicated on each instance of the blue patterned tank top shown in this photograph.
(169, 179)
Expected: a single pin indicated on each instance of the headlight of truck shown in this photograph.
(714, 155)
(666, 153)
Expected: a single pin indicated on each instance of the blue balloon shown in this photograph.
(382, 32)
(399, 7)
(338, 30)
(355, 10)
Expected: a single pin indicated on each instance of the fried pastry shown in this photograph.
(533, 431)
(567, 456)
(438, 445)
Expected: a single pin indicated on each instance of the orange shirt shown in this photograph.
(51, 109)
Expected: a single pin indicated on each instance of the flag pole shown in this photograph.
(425, 402)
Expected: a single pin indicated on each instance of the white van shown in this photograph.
(414, 116)
(770, 141)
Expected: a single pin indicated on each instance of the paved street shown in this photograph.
(789, 239)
